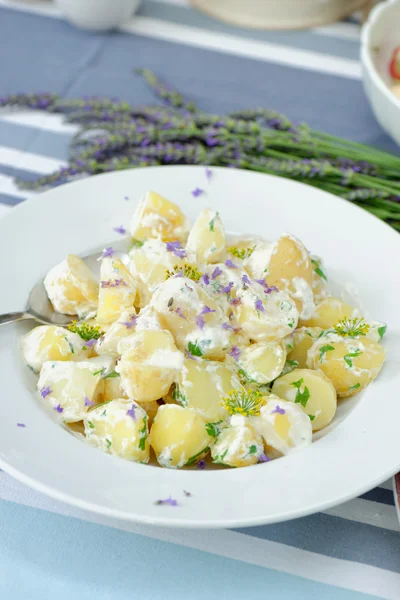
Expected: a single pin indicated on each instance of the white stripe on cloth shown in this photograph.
(273, 555)
(27, 160)
(7, 186)
(367, 512)
(39, 120)
(232, 44)
(345, 31)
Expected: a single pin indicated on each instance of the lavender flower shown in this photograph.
(189, 355)
(230, 264)
(216, 273)
(168, 501)
(263, 458)
(46, 391)
(234, 352)
(259, 306)
(197, 192)
(236, 301)
(227, 327)
(200, 322)
(113, 283)
(108, 252)
(120, 230)
(201, 464)
(88, 402)
(21, 425)
(176, 248)
(131, 412)
(266, 287)
(205, 279)
(58, 408)
(187, 494)
(206, 310)
(131, 323)
(246, 280)
(227, 288)
(208, 173)
(279, 410)
(90, 343)
(180, 313)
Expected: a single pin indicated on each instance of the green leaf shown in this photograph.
(104, 413)
(112, 375)
(382, 331)
(292, 363)
(312, 417)
(323, 350)
(108, 443)
(194, 459)
(100, 372)
(70, 345)
(212, 222)
(354, 387)
(318, 269)
(143, 434)
(213, 429)
(194, 349)
(347, 357)
(90, 424)
(220, 459)
(136, 243)
(252, 449)
(302, 397)
(179, 397)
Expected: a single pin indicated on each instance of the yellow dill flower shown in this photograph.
(246, 402)
(351, 327)
(189, 271)
(241, 253)
(85, 330)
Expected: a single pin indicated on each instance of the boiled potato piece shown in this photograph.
(71, 388)
(238, 444)
(48, 342)
(112, 388)
(150, 264)
(193, 317)
(107, 344)
(119, 427)
(151, 409)
(117, 290)
(262, 362)
(207, 237)
(264, 317)
(179, 436)
(301, 341)
(156, 217)
(313, 391)
(329, 312)
(350, 363)
(71, 287)
(285, 264)
(201, 386)
(283, 425)
(150, 366)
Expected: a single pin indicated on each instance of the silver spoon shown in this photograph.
(40, 308)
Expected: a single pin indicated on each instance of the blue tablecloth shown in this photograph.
(50, 550)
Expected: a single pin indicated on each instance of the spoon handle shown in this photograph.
(15, 316)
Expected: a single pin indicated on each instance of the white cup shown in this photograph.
(98, 15)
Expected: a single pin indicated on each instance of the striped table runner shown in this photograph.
(50, 550)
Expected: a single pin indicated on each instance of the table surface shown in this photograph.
(50, 550)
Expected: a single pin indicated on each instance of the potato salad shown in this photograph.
(199, 347)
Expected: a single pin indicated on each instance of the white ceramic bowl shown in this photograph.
(380, 36)
(359, 450)
(98, 15)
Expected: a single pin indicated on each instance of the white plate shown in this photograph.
(359, 451)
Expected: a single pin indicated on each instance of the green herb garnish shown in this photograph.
(189, 271)
(178, 396)
(143, 434)
(136, 243)
(90, 424)
(220, 459)
(323, 350)
(354, 387)
(100, 371)
(108, 443)
(382, 331)
(252, 449)
(302, 397)
(70, 345)
(347, 358)
(213, 429)
(193, 459)
(318, 269)
(194, 349)
(245, 402)
(212, 222)
(112, 375)
(351, 327)
(241, 253)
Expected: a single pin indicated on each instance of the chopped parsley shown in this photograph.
(302, 397)
(90, 424)
(212, 222)
(104, 413)
(194, 349)
(252, 449)
(108, 442)
(318, 269)
(382, 331)
(143, 434)
(347, 357)
(354, 387)
(193, 459)
(220, 459)
(112, 375)
(323, 350)
(179, 397)
(312, 417)
(70, 345)
(99, 372)
(292, 363)
(136, 243)
(213, 429)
